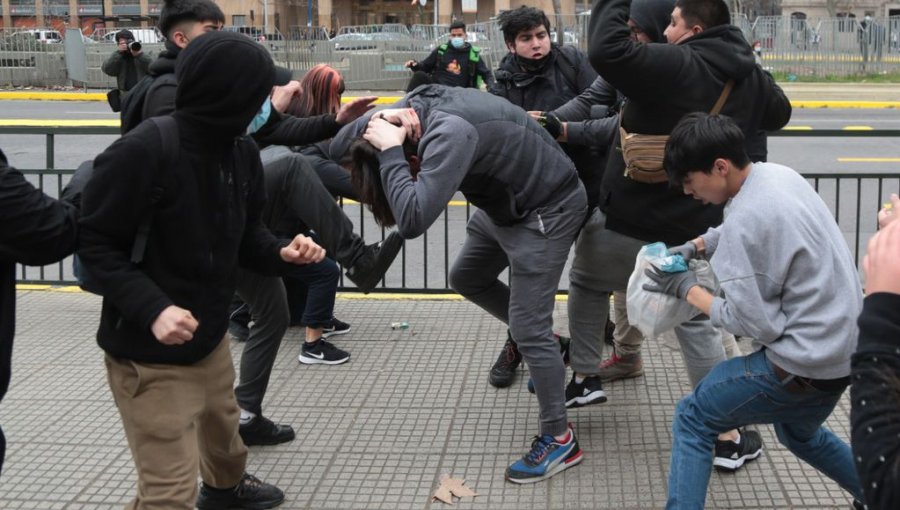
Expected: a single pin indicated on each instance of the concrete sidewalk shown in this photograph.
(377, 432)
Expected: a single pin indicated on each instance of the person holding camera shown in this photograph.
(128, 64)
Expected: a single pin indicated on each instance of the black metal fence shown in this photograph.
(423, 265)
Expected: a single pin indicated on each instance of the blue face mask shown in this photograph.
(261, 117)
(457, 42)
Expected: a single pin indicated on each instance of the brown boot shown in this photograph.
(624, 367)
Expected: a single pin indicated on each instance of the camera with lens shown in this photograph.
(134, 46)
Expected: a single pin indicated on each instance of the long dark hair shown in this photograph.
(365, 176)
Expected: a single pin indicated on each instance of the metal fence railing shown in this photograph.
(424, 264)
(372, 56)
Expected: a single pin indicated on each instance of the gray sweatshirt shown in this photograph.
(787, 274)
(487, 148)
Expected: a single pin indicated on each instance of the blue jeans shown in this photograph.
(745, 390)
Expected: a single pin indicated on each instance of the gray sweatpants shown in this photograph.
(604, 260)
(535, 250)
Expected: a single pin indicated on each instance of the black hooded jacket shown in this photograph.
(565, 75)
(280, 129)
(663, 82)
(207, 219)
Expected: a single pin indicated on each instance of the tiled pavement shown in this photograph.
(375, 433)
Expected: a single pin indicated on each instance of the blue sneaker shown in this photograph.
(546, 458)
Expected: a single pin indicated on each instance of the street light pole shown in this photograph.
(265, 17)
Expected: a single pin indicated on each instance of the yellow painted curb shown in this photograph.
(386, 100)
(845, 104)
(60, 122)
(36, 95)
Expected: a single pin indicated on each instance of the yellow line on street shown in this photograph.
(868, 160)
(858, 128)
(797, 128)
(39, 95)
(845, 104)
(60, 122)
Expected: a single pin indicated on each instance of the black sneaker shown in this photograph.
(250, 493)
(370, 267)
(263, 431)
(590, 391)
(504, 370)
(730, 456)
(336, 328)
(321, 352)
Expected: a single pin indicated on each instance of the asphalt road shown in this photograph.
(820, 155)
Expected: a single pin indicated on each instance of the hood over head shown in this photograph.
(211, 94)
(652, 17)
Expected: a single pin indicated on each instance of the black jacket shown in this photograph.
(454, 67)
(663, 82)
(566, 75)
(875, 401)
(280, 129)
(36, 230)
(205, 223)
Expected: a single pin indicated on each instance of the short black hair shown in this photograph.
(698, 140)
(516, 21)
(457, 24)
(706, 13)
(178, 11)
(124, 34)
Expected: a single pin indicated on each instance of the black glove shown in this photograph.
(673, 284)
(551, 123)
(687, 250)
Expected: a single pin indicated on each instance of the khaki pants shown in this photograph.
(179, 419)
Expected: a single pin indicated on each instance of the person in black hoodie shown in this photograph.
(163, 320)
(662, 83)
(297, 201)
(537, 76)
(875, 370)
(37, 230)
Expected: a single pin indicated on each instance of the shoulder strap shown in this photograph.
(442, 49)
(723, 97)
(168, 133)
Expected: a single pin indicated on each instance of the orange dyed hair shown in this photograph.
(320, 93)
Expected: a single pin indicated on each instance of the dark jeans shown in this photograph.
(319, 281)
(297, 197)
(334, 177)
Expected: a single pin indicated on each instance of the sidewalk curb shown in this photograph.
(347, 296)
(385, 100)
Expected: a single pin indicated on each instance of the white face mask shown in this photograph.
(262, 116)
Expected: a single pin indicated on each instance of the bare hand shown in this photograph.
(384, 135)
(882, 261)
(302, 250)
(174, 326)
(410, 63)
(535, 115)
(406, 117)
(354, 109)
(888, 214)
(281, 96)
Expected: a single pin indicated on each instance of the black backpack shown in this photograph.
(168, 131)
(132, 112)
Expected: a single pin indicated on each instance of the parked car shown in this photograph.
(143, 35)
(390, 41)
(31, 40)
